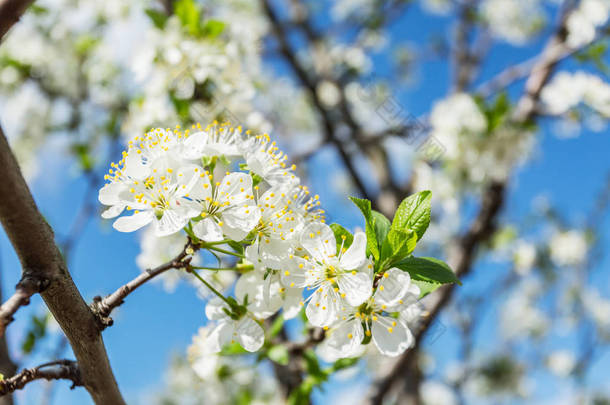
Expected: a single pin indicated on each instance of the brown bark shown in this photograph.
(55, 370)
(7, 367)
(10, 12)
(43, 265)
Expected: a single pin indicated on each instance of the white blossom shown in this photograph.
(568, 248)
(244, 329)
(583, 22)
(391, 335)
(515, 21)
(335, 277)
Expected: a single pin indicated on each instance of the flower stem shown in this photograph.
(215, 291)
(227, 252)
(220, 242)
(213, 268)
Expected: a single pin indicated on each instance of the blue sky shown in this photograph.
(153, 325)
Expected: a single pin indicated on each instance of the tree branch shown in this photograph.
(55, 370)
(462, 254)
(7, 366)
(328, 122)
(33, 241)
(28, 286)
(10, 12)
(103, 307)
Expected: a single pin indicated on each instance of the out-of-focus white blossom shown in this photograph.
(583, 22)
(471, 154)
(515, 21)
(519, 317)
(436, 393)
(568, 248)
(525, 257)
(155, 251)
(567, 90)
(561, 362)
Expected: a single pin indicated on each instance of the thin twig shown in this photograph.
(102, 307)
(54, 370)
(29, 285)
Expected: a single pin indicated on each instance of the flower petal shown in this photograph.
(134, 167)
(110, 194)
(357, 286)
(219, 337)
(344, 341)
(263, 294)
(202, 189)
(250, 334)
(319, 240)
(394, 290)
(391, 336)
(214, 310)
(133, 222)
(186, 178)
(172, 221)
(207, 230)
(239, 221)
(234, 188)
(293, 302)
(113, 211)
(323, 307)
(356, 254)
(194, 145)
(297, 274)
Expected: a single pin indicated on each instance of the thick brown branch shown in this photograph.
(103, 307)
(33, 241)
(55, 370)
(10, 12)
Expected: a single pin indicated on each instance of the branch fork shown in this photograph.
(55, 370)
(31, 283)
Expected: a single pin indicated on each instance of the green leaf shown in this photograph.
(236, 246)
(343, 363)
(382, 226)
(182, 106)
(425, 288)
(372, 245)
(189, 15)
(232, 350)
(397, 245)
(428, 269)
(312, 365)
(278, 354)
(343, 237)
(213, 28)
(276, 327)
(413, 213)
(157, 17)
(37, 330)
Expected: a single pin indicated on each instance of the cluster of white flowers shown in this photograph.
(583, 22)
(515, 21)
(567, 90)
(212, 74)
(223, 186)
(473, 152)
(206, 378)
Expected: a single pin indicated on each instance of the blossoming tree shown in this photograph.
(195, 101)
